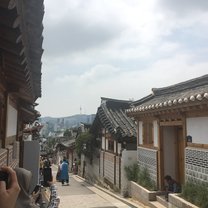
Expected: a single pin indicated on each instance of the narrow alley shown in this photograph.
(80, 194)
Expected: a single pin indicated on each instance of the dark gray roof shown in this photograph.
(190, 91)
(66, 144)
(111, 114)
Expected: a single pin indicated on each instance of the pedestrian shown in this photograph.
(47, 163)
(47, 172)
(9, 192)
(75, 166)
(65, 172)
(171, 186)
(58, 175)
(41, 165)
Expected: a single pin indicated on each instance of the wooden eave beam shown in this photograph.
(15, 76)
(12, 87)
(17, 49)
(16, 60)
(15, 73)
(10, 34)
(17, 82)
(23, 67)
(27, 111)
(9, 18)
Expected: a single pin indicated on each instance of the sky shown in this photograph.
(118, 49)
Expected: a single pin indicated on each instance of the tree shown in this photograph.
(67, 133)
(85, 144)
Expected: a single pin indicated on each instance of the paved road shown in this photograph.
(80, 194)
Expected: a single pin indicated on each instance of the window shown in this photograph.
(110, 145)
(147, 133)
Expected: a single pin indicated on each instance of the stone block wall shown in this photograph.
(147, 158)
(196, 164)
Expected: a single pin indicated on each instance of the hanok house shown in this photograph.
(172, 131)
(20, 73)
(66, 149)
(117, 135)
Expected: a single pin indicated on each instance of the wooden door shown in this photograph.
(180, 155)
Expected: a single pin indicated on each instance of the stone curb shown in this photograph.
(126, 201)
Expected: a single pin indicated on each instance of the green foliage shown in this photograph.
(85, 144)
(67, 133)
(140, 176)
(145, 180)
(132, 172)
(196, 193)
(51, 142)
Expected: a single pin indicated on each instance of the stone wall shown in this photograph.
(196, 164)
(147, 158)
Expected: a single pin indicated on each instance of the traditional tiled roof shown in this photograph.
(66, 144)
(111, 114)
(190, 92)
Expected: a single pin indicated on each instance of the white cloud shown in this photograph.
(119, 49)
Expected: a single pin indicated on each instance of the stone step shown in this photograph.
(162, 200)
(156, 204)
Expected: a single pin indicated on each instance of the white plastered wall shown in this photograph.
(106, 144)
(119, 148)
(197, 128)
(114, 146)
(103, 142)
(140, 132)
(128, 158)
(155, 133)
(11, 121)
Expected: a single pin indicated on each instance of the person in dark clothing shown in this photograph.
(171, 186)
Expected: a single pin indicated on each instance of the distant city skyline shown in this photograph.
(118, 49)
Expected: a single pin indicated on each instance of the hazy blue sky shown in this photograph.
(118, 49)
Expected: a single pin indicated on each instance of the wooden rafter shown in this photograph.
(9, 18)
(10, 34)
(17, 49)
(8, 4)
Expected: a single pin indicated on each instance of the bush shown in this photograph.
(140, 176)
(132, 172)
(196, 193)
(85, 139)
(145, 180)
